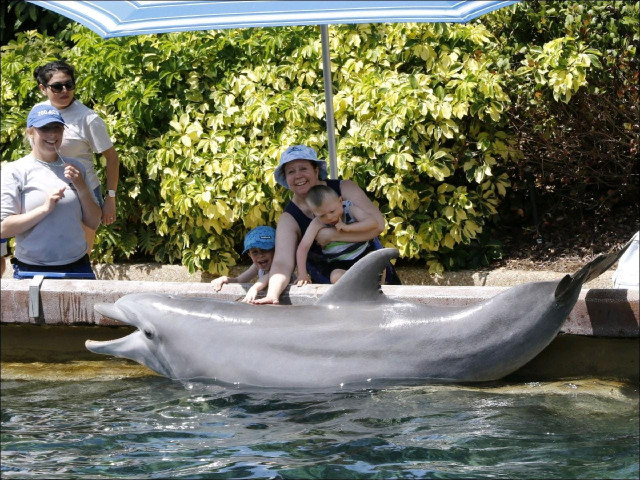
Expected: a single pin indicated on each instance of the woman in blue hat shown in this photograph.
(45, 202)
(299, 170)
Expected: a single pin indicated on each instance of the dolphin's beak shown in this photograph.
(120, 347)
(134, 346)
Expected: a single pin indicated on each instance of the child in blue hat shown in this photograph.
(260, 243)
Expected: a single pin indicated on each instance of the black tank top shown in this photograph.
(316, 259)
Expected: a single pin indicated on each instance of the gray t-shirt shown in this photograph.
(58, 239)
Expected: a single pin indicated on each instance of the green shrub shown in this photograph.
(200, 118)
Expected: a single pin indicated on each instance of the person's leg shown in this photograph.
(336, 274)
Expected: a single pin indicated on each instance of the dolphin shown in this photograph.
(352, 334)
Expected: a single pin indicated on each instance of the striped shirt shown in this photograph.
(345, 251)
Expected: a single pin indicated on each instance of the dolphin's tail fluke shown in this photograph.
(591, 270)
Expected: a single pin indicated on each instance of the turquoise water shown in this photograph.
(149, 427)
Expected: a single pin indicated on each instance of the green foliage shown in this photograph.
(575, 92)
(19, 16)
(200, 118)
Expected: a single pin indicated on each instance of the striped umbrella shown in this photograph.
(122, 18)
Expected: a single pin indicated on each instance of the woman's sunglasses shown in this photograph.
(57, 87)
(51, 127)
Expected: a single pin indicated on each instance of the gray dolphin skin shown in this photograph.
(353, 333)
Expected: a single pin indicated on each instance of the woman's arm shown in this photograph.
(287, 235)
(18, 223)
(363, 222)
(352, 192)
(113, 166)
(90, 209)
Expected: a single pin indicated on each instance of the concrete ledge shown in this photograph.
(598, 312)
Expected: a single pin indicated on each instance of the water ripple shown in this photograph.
(150, 427)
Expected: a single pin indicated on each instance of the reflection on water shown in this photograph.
(114, 419)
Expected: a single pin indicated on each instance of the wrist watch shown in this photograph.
(112, 193)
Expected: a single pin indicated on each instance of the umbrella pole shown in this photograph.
(328, 101)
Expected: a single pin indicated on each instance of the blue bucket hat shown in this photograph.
(260, 237)
(42, 115)
(298, 152)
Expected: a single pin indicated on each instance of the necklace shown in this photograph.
(58, 162)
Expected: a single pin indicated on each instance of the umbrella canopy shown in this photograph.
(122, 18)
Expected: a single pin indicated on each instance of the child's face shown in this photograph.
(261, 258)
(330, 212)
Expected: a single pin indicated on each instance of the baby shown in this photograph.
(331, 211)
(260, 243)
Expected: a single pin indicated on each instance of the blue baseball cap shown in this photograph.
(299, 152)
(260, 237)
(43, 114)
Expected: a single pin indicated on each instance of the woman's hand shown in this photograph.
(91, 213)
(74, 175)
(250, 296)
(109, 211)
(284, 259)
(18, 223)
(52, 200)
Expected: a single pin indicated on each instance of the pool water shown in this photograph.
(114, 419)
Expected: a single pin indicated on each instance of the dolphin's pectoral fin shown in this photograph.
(361, 283)
(591, 270)
(565, 286)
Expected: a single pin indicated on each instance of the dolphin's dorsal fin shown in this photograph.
(361, 283)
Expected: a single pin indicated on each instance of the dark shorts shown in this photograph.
(320, 269)
(79, 269)
(97, 193)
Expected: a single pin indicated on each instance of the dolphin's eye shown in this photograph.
(148, 334)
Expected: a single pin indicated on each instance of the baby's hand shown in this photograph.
(303, 279)
(341, 226)
(219, 282)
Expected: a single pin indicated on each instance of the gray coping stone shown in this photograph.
(598, 312)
